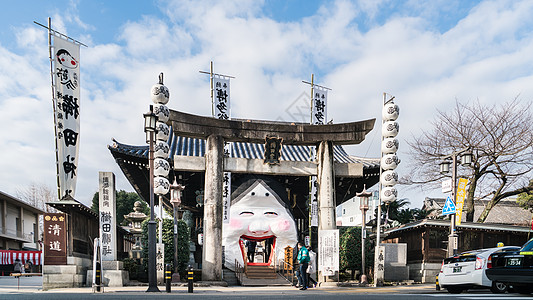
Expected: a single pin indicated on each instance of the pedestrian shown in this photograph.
(250, 249)
(312, 268)
(28, 266)
(17, 266)
(303, 260)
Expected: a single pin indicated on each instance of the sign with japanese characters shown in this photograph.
(55, 239)
(328, 252)
(160, 262)
(288, 258)
(221, 102)
(460, 200)
(379, 262)
(272, 150)
(108, 226)
(66, 86)
(319, 110)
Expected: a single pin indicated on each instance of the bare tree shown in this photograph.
(501, 140)
(37, 195)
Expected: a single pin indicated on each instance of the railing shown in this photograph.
(286, 270)
(239, 271)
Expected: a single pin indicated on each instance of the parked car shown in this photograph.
(513, 268)
(467, 270)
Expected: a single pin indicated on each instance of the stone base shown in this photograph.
(66, 276)
(423, 272)
(110, 278)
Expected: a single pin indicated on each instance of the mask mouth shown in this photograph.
(258, 239)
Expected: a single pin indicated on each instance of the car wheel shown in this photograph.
(522, 289)
(454, 290)
(498, 287)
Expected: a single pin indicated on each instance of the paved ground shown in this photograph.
(30, 288)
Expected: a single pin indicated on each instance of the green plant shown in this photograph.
(350, 250)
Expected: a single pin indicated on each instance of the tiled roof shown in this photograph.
(196, 147)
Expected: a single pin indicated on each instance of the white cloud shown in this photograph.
(485, 55)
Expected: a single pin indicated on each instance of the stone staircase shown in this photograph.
(260, 272)
(230, 278)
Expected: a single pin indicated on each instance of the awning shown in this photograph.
(8, 257)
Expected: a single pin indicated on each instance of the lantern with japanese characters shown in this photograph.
(389, 147)
(160, 96)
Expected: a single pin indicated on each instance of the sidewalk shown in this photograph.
(34, 285)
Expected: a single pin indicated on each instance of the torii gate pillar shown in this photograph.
(326, 199)
(214, 170)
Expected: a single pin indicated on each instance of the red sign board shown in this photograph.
(55, 239)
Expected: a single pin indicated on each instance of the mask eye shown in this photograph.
(246, 214)
(271, 214)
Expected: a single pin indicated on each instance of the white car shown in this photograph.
(467, 270)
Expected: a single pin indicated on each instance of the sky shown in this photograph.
(427, 54)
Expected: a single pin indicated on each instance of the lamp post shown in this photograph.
(150, 120)
(175, 199)
(363, 206)
(466, 159)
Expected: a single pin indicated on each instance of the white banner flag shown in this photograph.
(66, 82)
(319, 109)
(221, 101)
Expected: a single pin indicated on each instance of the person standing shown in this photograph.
(303, 260)
(250, 249)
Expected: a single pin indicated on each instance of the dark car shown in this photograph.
(513, 268)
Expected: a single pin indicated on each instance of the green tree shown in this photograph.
(525, 200)
(125, 201)
(168, 240)
(350, 250)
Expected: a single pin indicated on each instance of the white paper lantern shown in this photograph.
(390, 112)
(389, 178)
(388, 194)
(389, 162)
(160, 94)
(161, 185)
(161, 167)
(162, 112)
(163, 131)
(389, 145)
(390, 129)
(161, 149)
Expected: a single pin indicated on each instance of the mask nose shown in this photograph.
(258, 228)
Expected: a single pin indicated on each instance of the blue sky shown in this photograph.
(426, 53)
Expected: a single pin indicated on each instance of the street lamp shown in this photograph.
(175, 199)
(466, 159)
(150, 120)
(363, 206)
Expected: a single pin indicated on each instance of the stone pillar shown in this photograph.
(212, 248)
(326, 197)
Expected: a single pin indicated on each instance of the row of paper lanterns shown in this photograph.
(389, 147)
(160, 96)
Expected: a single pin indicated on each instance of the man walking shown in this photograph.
(303, 260)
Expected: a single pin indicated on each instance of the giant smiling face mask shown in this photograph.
(257, 214)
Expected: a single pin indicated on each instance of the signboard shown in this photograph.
(313, 194)
(108, 226)
(328, 252)
(272, 150)
(160, 262)
(288, 258)
(65, 82)
(460, 200)
(447, 186)
(55, 239)
(449, 207)
(379, 262)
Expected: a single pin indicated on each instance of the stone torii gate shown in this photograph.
(217, 131)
